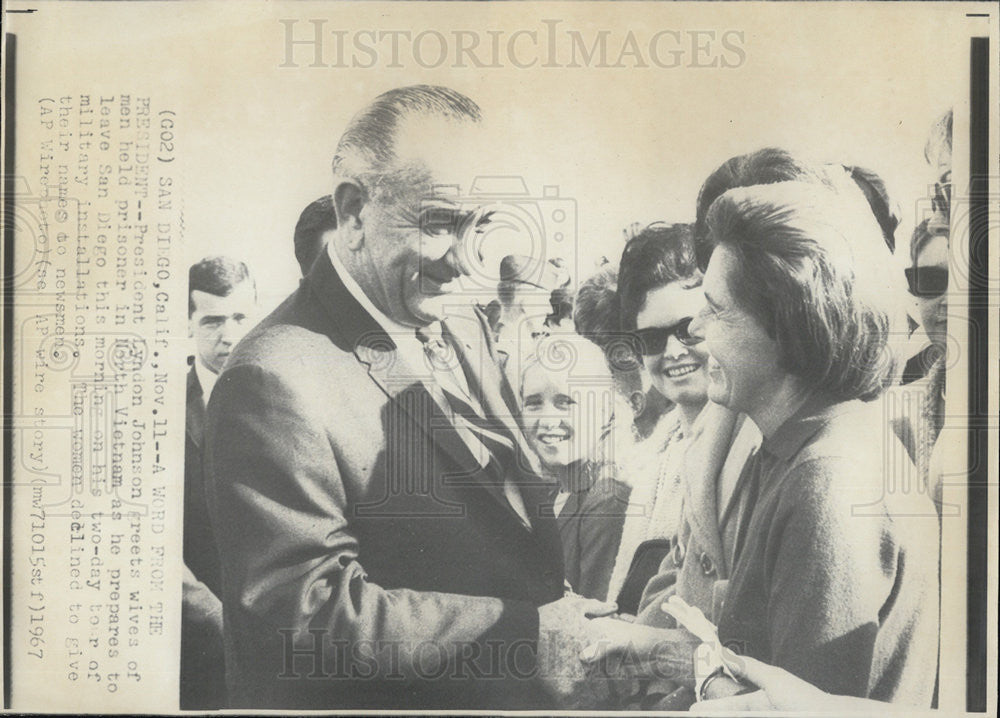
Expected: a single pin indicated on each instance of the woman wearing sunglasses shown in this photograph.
(832, 574)
(659, 290)
(658, 293)
(927, 278)
(919, 427)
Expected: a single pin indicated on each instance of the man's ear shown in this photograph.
(191, 309)
(349, 199)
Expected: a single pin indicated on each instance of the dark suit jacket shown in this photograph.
(202, 669)
(368, 560)
(590, 527)
(200, 552)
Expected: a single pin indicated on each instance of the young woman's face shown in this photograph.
(677, 371)
(564, 414)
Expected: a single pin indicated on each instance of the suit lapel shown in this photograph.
(485, 378)
(489, 384)
(195, 415)
(424, 402)
(406, 386)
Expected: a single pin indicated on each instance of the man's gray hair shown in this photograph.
(367, 149)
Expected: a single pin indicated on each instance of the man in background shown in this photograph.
(222, 300)
(526, 291)
(316, 220)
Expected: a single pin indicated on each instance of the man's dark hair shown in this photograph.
(318, 217)
(765, 166)
(367, 149)
(217, 275)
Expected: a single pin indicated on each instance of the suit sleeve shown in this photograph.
(290, 560)
(199, 605)
(660, 587)
(602, 519)
(831, 574)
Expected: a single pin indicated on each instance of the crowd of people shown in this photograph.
(667, 488)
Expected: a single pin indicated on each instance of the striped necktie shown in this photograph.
(488, 440)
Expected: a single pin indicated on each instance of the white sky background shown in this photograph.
(843, 82)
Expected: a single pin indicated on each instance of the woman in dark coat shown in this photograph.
(834, 576)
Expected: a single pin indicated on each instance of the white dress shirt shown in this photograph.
(436, 378)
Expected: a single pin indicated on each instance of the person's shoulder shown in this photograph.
(850, 431)
(607, 496)
(294, 357)
(839, 457)
(820, 479)
(839, 492)
(294, 334)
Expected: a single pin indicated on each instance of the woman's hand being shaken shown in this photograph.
(642, 651)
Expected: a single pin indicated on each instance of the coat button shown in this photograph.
(679, 554)
(707, 567)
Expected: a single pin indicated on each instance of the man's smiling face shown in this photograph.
(414, 231)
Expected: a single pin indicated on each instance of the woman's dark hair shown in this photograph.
(596, 316)
(765, 166)
(884, 208)
(595, 313)
(658, 255)
(810, 271)
(561, 301)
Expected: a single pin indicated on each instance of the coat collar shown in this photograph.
(803, 425)
(708, 447)
(374, 348)
(356, 327)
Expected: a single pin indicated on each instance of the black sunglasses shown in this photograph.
(653, 340)
(927, 281)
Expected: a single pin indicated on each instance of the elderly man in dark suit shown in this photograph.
(378, 517)
(222, 300)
